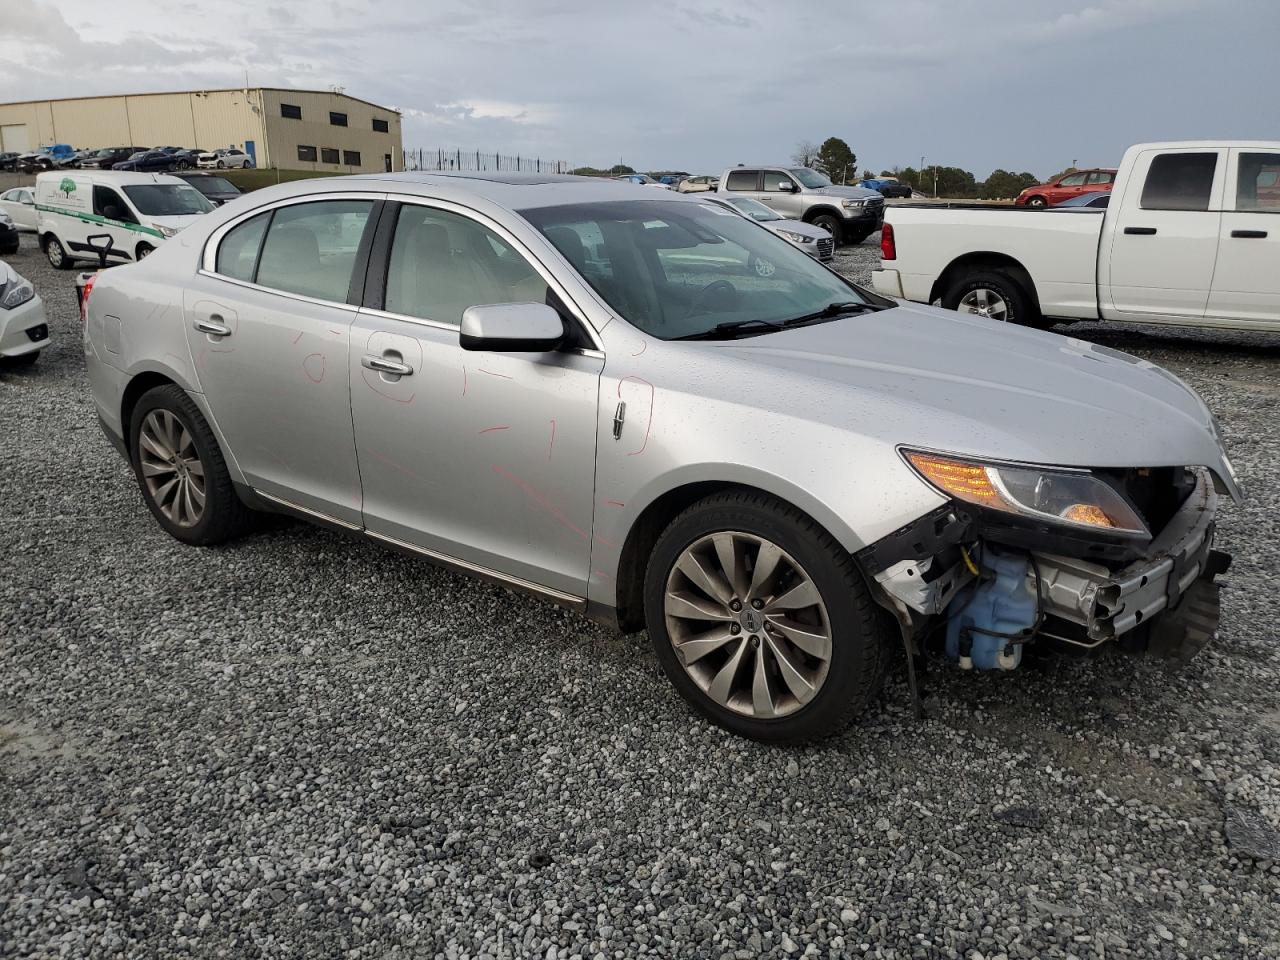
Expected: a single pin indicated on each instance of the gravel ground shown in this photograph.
(302, 746)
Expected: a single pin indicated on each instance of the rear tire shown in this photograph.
(1005, 298)
(186, 454)
(830, 223)
(842, 622)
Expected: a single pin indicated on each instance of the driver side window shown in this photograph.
(107, 203)
(1075, 180)
(775, 182)
(442, 262)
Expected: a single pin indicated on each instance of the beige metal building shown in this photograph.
(289, 129)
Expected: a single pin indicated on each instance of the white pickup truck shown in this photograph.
(1191, 236)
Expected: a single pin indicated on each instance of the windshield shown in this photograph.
(212, 185)
(755, 209)
(810, 178)
(676, 269)
(167, 200)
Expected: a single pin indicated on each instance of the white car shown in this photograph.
(228, 157)
(20, 204)
(814, 241)
(24, 332)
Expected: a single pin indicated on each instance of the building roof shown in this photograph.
(171, 93)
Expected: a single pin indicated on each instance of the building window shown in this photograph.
(351, 158)
(337, 119)
(307, 153)
(381, 126)
(328, 155)
(290, 111)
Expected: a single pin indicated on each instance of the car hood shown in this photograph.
(859, 193)
(176, 223)
(797, 226)
(923, 377)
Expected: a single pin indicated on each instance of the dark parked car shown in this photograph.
(8, 235)
(887, 186)
(216, 189)
(148, 161)
(184, 157)
(108, 157)
(9, 161)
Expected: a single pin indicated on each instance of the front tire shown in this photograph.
(57, 253)
(995, 295)
(1038, 202)
(761, 620)
(144, 250)
(181, 471)
(830, 223)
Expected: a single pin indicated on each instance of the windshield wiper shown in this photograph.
(734, 329)
(833, 310)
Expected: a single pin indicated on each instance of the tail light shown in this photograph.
(888, 249)
(86, 287)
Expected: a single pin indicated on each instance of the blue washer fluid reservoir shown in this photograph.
(1004, 601)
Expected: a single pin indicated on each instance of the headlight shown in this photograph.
(6, 219)
(166, 231)
(1075, 498)
(795, 237)
(16, 294)
(854, 203)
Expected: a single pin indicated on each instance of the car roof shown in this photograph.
(123, 177)
(516, 191)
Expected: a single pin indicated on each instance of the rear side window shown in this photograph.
(310, 248)
(1100, 177)
(238, 251)
(442, 263)
(1258, 182)
(1179, 181)
(741, 180)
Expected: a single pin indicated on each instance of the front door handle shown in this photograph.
(1140, 231)
(212, 327)
(384, 365)
(1249, 234)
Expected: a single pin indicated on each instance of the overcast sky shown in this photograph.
(1021, 84)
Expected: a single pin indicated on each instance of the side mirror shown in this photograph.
(511, 328)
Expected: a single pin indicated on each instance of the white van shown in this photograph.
(138, 211)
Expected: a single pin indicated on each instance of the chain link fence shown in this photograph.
(479, 160)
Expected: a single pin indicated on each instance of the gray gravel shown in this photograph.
(301, 746)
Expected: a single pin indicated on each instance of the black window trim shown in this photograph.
(385, 128)
(315, 150)
(347, 162)
(290, 106)
(346, 120)
(337, 161)
(375, 285)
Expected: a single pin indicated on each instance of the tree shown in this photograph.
(1002, 184)
(835, 159)
(867, 174)
(620, 169)
(805, 155)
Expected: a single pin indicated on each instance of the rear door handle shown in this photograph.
(1249, 234)
(212, 327)
(384, 365)
(1140, 231)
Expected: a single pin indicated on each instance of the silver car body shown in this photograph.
(23, 328)
(815, 241)
(543, 470)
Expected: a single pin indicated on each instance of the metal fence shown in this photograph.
(479, 160)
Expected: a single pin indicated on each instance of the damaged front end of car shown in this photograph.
(1024, 554)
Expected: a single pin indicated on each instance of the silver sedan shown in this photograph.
(586, 392)
(814, 241)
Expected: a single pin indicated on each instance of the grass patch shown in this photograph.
(257, 179)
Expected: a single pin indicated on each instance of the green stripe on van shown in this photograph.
(94, 218)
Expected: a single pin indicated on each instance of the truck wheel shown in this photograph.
(1038, 202)
(761, 620)
(994, 295)
(830, 223)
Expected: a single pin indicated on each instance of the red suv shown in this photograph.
(1065, 187)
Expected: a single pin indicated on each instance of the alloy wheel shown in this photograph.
(983, 302)
(171, 468)
(748, 624)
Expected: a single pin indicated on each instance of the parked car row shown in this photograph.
(61, 156)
